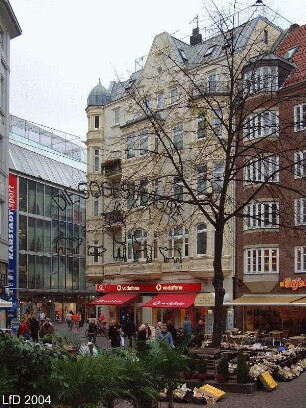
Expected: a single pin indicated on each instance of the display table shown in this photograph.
(296, 340)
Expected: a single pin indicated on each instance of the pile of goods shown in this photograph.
(206, 394)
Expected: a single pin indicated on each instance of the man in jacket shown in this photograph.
(46, 329)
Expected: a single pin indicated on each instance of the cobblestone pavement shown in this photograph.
(287, 394)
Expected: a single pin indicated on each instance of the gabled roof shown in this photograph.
(295, 37)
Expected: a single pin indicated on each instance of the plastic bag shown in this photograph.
(121, 341)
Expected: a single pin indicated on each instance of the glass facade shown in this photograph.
(51, 238)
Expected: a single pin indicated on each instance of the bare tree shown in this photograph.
(220, 131)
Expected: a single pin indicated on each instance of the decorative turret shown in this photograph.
(99, 96)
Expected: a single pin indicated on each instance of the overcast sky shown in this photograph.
(67, 45)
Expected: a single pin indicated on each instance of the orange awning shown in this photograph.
(114, 299)
(172, 301)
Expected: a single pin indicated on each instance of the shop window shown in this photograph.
(261, 260)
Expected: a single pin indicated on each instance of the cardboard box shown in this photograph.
(212, 392)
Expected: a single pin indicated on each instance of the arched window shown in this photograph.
(201, 239)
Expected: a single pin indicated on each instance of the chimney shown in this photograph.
(196, 37)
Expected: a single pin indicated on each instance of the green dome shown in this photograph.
(99, 96)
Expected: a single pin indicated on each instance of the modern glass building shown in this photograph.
(46, 167)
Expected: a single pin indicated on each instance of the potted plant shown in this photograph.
(222, 370)
(188, 372)
(242, 369)
(202, 369)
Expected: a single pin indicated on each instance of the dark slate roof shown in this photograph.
(98, 96)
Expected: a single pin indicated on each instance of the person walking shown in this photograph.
(166, 336)
(34, 328)
(114, 333)
(187, 326)
(42, 317)
(129, 330)
(68, 319)
(92, 331)
(76, 321)
(158, 330)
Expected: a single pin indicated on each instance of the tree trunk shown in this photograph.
(219, 324)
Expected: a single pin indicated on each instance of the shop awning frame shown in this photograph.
(268, 300)
(114, 299)
(172, 301)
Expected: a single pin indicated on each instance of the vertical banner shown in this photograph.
(12, 238)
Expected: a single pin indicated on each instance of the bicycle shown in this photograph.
(102, 330)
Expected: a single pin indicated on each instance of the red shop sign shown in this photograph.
(150, 287)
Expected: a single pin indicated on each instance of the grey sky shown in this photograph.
(67, 45)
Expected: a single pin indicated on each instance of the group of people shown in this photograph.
(31, 328)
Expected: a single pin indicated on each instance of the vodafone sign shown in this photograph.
(150, 288)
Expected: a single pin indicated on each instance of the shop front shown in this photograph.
(172, 302)
(272, 312)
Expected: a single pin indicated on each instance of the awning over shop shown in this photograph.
(268, 300)
(114, 299)
(173, 301)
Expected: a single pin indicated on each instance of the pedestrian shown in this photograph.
(76, 321)
(42, 317)
(158, 330)
(198, 333)
(187, 326)
(46, 329)
(34, 328)
(166, 336)
(92, 331)
(23, 330)
(114, 333)
(129, 330)
(68, 319)
(172, 330)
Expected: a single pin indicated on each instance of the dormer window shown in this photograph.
(290, 53)
(183, 55)
(209, 50)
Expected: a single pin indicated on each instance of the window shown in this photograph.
(300, 164)
(173, 95)
(218, 177)
(209, 50)
(300, 117)
(212, 83)
(218, 122)
(137, 245)
(300, 259)
(130, 201)
(201, 180)
(262, 215)
(95, 206)
(178, 136)
(261, 79)
(96, 160)
(201, 239)
(262, 170)
(97, 122)
(183, 55)
(261, 260)
(178, 243)
(143, 142)
(300, 211)
(160, 100)
(201, 126)
(261, 124)
(178, 189)
(130, 147)
(95, 257)
(116, 116)
(265, 36)
(143, 193)
(290, 53)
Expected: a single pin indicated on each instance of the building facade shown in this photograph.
(155, 148)
(47, 219)
(271, 237)
(9, 29)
